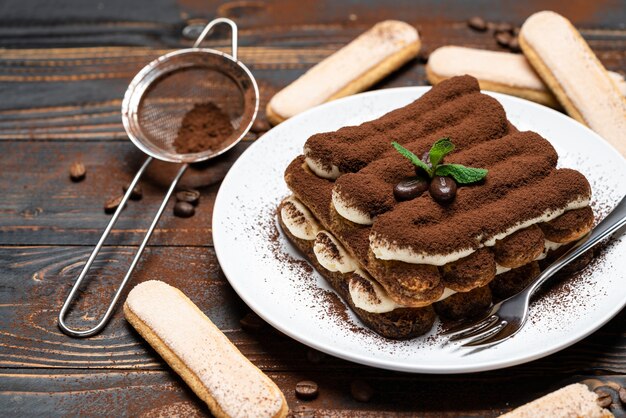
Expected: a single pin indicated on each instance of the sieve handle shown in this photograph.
(107, 315)
(211, 24)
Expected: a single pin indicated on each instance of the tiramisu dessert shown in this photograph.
(416, 213)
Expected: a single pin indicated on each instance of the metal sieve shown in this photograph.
(155, 103)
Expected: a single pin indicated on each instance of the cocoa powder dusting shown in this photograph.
(204, 127)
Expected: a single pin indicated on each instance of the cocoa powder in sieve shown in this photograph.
(203, 128)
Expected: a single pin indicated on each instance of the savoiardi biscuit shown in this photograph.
(355, 67)
(503, 72)
(201, 354)
(574, 74)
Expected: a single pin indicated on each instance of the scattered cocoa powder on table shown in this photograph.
(203, 128)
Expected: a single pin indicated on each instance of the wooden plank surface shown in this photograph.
(63, 70)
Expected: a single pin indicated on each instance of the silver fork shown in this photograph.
(506, 318)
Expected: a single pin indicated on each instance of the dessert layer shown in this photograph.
(518, 159)
(399, 323)
(416, 249)
(407, 284)
(454, 108)
(374, 306)
(421, 231)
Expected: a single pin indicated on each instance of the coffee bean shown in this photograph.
(503, 38)
(315, 356)
(190, 196)
(504, 27)
(410, 188)
(514, 45)
(252, 322)
(622, 395)
(111, 205)
(137, 192)
(77, 171)
(477, 23)
(184, 209)
(303, 411)
(307, 390)
(259, 125)
(604, 398)
(443, 189)
(361, 390)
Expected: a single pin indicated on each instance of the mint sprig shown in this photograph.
(460, 173)
(413, 158)
(441, 148)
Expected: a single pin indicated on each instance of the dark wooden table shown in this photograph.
(63, 72)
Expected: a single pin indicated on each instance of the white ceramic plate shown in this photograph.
(263, 269)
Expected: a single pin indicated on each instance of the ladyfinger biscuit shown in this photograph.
(352, 69)
(503, 72)
(575, 75)
(575, 400)
(198, 351)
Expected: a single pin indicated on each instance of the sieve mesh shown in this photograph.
(171, 88)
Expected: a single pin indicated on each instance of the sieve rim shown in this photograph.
(142, 81)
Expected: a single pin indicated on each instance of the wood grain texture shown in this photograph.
(42, 205)
(66, 392)
(64, 67)
(37, 279)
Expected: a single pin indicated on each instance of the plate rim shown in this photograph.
(384, 363)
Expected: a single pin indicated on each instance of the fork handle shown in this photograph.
(610, 224)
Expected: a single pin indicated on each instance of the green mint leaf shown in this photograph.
(412, 158)
(440, 149)
(460, 173)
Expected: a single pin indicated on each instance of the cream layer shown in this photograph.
(385, 250)
(333, 257)
(350, 212)
(298, 219)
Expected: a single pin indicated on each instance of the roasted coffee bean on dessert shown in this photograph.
(252, 322)
(307, 390)
(189, 195)
(361, 390)
(111, 205)
(77, 171)
(442, 189)
(184, 209)
(477, 23)
(410, 188)
(137, 192)
(604, 398)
